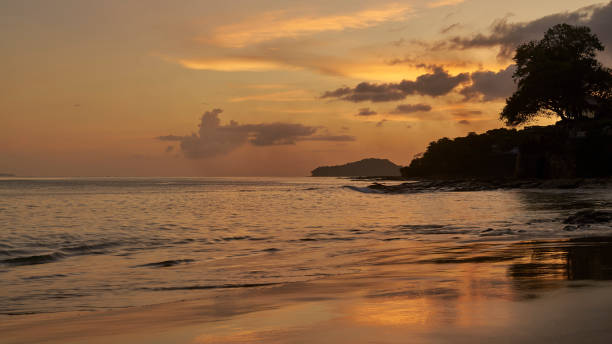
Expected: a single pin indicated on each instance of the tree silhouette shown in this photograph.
(559, 75)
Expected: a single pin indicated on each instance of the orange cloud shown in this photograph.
(233, 64)
(273, 25)
(442, 3)
(286, 96)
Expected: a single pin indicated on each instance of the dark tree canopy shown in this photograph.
(559, 75)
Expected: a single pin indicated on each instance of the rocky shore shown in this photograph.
(456, 185)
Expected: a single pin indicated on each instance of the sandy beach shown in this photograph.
(519, 293)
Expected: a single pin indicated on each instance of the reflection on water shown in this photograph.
(461, 301)
(539, 200)
(573, 260)
(268, 257)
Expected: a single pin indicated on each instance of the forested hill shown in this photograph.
(364, 168)
(569, 149)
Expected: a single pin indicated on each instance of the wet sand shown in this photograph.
(526, 292)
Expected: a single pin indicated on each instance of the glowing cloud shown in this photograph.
(443, 3)
(234, 64)
(286, 96)
(274, 25)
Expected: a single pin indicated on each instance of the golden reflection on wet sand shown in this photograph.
(515, 292)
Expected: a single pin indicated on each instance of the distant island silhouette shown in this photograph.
(370, 167)
(7, 175)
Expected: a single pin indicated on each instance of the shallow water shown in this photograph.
(85, 244)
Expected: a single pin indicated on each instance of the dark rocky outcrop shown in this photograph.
(367, 168)
(457, 185)
(589, 217)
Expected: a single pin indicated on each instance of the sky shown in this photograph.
(256, 87)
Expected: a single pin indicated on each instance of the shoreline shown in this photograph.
(458, 185)
(557, 290)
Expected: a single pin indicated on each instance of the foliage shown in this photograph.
(470, 156)
(571, 148)
(559, 75)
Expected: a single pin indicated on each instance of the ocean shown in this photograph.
(89, 244)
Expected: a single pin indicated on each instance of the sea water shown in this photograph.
(83, 244)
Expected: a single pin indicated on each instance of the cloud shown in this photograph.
(450, 28)
(278, 24)
(434, 84)
(367, 91)
(510, 35)
(298, 55)
(366, 112)
(467, 113)
(330, 138)
(380, 124)
(213, 138)
(234, 64)
(464, 122)
(410, 108)
(286, 96)
(277, 133)
(442, 3)
(489, 86)
(169, 138)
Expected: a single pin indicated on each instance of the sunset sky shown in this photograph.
(255, 87)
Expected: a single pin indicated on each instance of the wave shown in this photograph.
(432, 229)
(166, 263)
(271, 250)
(33, 260)
(204, 287)
(43, 277)
(476, 259)
(13, 252)
(94, 248)
(362, 189)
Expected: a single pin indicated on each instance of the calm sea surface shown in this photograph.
(85, 244)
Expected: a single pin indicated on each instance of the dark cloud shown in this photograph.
(380, 124)
(601, 24)
(342, 91)
(374, 93)
(450, 28)
(331, 138)
(464, 122)
(467, 113)
(215, 139)
(169, 149)
(169, 138)
(274, 134)
(509, 35)
(434, 84)
(488, 85)
(410, 108)
(366, 112)
(406, 60)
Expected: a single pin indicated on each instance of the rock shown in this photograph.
(588, 217)
(453, 185)
(570, 228)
